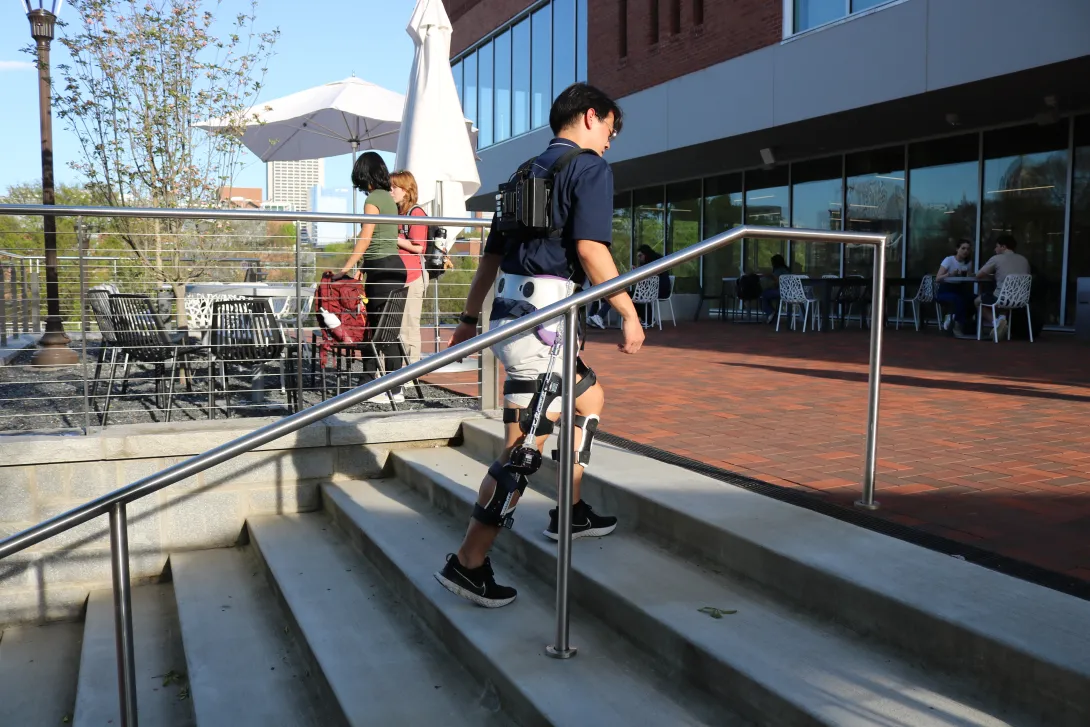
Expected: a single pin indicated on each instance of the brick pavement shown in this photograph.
(982, 443)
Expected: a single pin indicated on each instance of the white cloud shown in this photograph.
(16, 66)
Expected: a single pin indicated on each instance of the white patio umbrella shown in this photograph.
(434, 144)
(324, 121)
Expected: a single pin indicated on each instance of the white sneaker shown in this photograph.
(596, 320)
(946, 322)
(1001, 327)
(382, 398)
(398, 396)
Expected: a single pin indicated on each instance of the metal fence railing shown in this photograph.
(183, 317)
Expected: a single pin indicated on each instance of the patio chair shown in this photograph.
(792, 293)
(647, 293)
(924, 294)
(246, 332)
(668, 300)
(1014, 294)
(850, 296)
(141, 338)
(98, 301)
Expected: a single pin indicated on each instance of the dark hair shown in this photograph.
(778, 261)
(649, 254)
(1007, 241)
(576, 100)
(370, 173)
(963, 241)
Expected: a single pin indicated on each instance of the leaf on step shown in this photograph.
(717, 612)
(171, 677)
(183, 694)
(66, 719)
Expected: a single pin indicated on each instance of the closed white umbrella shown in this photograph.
(434, 143)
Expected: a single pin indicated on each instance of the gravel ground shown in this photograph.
(48, 399)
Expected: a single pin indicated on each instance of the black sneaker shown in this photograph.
(585, 524)
(477, 585)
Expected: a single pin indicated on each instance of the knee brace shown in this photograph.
(545, 391)
(499, 512)
(588, 425)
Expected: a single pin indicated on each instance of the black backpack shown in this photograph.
(526, 199)
(749, 287)
(435, 260)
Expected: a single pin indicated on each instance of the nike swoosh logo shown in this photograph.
(473, 585)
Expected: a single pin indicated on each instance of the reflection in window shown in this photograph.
(766, 205)
(1078, 265)
(502, 45)
(722, 211)
(484, 94)
(944, 181)
(1025, 192)
(621, 246)
(581, 41)
(469, 95)
(876, 203)
(563, 44)
(858, 5)
(520, 77)
(456, 69)
(541, 67)
(817, 204)
(812, 13)
(650, 219)
(683, 230)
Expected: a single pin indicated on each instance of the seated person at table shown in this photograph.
(779, 267)
(958, 265)
(1006, 262)
(597, 310)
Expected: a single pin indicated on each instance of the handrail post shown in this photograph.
(877, 326)
(36, 296)
(119, 557)
(562, 649)
(24, 303)
(298, 322)
(81, 245)
(3, 307)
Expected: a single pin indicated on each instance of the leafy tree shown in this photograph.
(142, 73)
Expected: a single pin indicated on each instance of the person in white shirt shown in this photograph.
(957, 295)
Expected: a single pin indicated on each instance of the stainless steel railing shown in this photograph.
(19, 279)
(114, 504)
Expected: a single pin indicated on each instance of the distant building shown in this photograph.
(291, 182)
(335, 200)
(240, 197)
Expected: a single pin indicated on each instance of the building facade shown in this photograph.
(291, 182)
(931, 120)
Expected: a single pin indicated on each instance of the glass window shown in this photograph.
(944, 190)
(469, 93)
(876, 203)
(520, 77)
(502, 46)
(1025, 193)
(484, 95)
(563, 44)
(817, 200)
(683, 230)
(621, 246)
(812, 13)
(858, 5)
(722, 211)
(581, 40)
(650, 219)
(541, 67)
(1078, 251)
(456, 69)
(766, 205)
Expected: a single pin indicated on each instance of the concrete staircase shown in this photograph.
(334, 618)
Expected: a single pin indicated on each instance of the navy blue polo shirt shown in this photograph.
(582, 207)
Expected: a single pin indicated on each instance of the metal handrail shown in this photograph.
(114, 503)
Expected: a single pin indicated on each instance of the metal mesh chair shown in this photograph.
(925, 294)
(246, 331)
(794, 294)
(141, 338)
(647, 293)
(1014, 294)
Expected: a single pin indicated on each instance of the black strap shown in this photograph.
(560, 165)
(521, 386)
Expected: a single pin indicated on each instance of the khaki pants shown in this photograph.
(410, 324)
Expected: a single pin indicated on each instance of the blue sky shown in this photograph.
(313, 48)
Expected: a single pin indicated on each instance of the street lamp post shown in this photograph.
(53, 347)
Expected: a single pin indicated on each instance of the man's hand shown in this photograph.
(462, 333)
(632, 330)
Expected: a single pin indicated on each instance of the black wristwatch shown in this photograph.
(468, 319)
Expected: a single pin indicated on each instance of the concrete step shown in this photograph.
(1026, 644)
(609, 683)
(243, 664)
(786, 668)
(38, 671)
(161, 685)
(380, 666)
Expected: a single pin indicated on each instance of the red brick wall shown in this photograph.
(474, 19)
(731, 28)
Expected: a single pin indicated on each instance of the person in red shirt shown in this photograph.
(411, 243)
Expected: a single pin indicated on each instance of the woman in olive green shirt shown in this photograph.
(376, 246)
